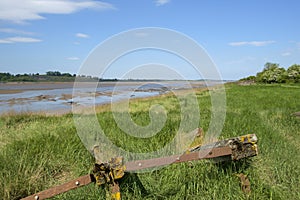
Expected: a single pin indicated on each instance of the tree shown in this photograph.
(293, 73)
(53, 73)
(5, 76)
(270, 66)
(272, 73)
(66, 75)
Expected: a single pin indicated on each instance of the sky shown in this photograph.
(239, 36)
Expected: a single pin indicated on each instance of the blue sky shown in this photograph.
(240, 36)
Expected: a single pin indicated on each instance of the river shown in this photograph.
(51, 98)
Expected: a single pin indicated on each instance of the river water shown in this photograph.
(51, 98)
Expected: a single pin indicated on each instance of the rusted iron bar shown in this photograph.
(197, 155)
(78, 182)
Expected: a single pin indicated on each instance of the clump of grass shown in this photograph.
(41, 152)
(38, 151)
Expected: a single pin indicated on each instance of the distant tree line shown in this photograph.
(273, 73)
(36, 77)
(57, 73)
(50, 76)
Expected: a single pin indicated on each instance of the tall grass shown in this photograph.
(38, 151)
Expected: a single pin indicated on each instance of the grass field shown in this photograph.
(38, 152)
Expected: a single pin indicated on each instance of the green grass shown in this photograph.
(38, 152)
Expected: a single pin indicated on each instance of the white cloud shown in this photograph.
(252, 43)
(15, 31)
(82, 35)
(20, 11)
(161, 2)
(72, 58)
(11, 40)
(5, 41)
(286, 54)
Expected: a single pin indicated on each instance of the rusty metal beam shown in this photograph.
(78, 182)
(197, 155)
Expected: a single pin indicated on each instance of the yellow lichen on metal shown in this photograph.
(100, 174)
(187, 151)
(118, 168)
(254, 147)
(116, 196)
(114, 189)
(108, 172)
(244, 146)
(242, 138)
(250, 138)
